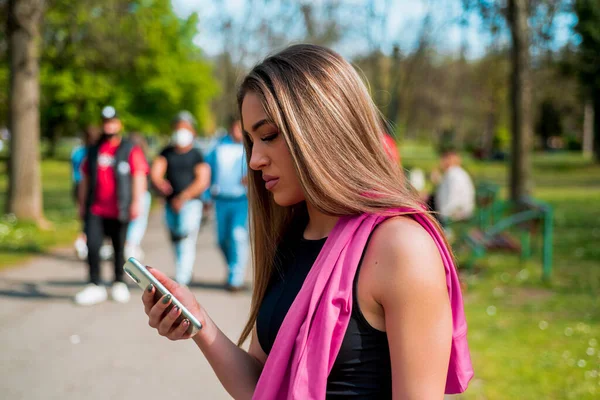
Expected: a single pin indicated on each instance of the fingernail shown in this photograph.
(175, 309)
(186, 322)
(148, 267)
(167, 299)
(150, 287)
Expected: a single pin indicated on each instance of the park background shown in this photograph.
(514, 85)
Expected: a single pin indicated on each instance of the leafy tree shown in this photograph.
(530, 22)
(137, 55)
(588, 27)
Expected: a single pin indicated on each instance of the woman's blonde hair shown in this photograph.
(334, 134)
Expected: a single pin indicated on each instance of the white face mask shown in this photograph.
(182, 137)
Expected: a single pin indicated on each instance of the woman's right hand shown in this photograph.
(165, 324)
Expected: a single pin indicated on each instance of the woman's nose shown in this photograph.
(258, 160)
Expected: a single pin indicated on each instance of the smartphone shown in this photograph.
(140, 275)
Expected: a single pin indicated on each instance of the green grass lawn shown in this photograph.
(529, 339)
(19, 240)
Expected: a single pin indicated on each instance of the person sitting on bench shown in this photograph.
(454, 196)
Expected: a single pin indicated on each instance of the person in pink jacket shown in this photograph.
(355, 291)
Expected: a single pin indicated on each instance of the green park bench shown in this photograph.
(487, 204)
(513, 227)
(487, 208)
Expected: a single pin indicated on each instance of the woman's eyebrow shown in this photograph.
(259, 124)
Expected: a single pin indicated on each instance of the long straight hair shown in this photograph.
(334, 134)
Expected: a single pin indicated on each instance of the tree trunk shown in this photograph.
(588, 129)
(488, 137)
(395, 86)
(23, 32)
(520, 171)
(596, 123)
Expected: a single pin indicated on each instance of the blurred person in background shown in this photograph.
(229, 193)
(390, 145)
(4, 135)
(90, 135)
(181, 175)
(111, 194)
(137, 227)
(391, 148)
(206, 145)
(454, 195)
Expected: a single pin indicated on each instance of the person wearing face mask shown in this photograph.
(110, 196)
(180, 174)
(229, 192)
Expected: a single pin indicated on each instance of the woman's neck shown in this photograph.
(319, 225)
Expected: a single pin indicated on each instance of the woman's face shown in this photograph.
(270, 154)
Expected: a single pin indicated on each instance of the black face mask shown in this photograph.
(107, 136)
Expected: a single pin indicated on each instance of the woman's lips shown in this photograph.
(270, 184)
(270, 181)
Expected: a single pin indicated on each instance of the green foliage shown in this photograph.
(136, 55)
(501, 138)
(588, 27)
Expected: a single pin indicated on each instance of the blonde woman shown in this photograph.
(355, 294)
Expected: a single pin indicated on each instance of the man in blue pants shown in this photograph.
(181, 175)
(228, 190)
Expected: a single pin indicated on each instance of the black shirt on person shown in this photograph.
(181, 168)
(362, 369)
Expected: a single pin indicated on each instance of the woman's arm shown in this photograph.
(410, 285)
(237, 369)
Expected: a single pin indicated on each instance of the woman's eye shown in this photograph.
(269, 138)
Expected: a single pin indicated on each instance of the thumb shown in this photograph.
(167, 282)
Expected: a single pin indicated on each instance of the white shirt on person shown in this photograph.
(455, 196)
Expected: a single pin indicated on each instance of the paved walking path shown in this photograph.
(52, 349)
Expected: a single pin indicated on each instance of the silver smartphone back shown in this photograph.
(140, 275)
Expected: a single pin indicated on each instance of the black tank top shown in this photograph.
(362, 369)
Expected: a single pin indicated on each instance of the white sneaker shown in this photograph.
(106, 252)
(120, 292)
(92, 294)
(81, 249)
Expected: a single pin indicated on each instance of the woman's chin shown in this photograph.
(283, 200)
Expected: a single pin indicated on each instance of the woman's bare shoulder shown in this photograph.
(402, 254)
